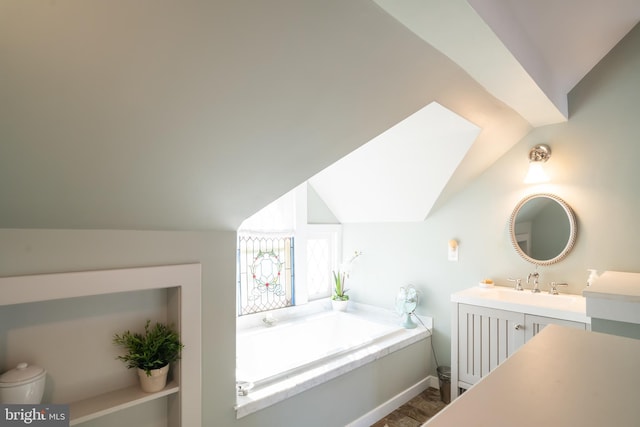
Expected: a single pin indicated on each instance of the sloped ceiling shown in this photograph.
(506, 46)
(456, 29)
(558, 42)
(398, 175)
(194, 115)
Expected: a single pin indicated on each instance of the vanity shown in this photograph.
(488, 325)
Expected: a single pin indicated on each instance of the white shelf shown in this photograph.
(107, 403)
(183, 290)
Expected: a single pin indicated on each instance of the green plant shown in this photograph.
(339, 291)
(154, 349)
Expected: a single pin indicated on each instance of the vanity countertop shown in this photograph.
(563, 306)
(562, 377)
(615, 285)
(615, 295)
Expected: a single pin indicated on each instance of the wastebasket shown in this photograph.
(444, 378)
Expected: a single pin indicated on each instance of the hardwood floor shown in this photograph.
(415, 412)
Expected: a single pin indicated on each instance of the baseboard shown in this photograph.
(395, 402)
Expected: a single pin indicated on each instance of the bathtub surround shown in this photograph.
(315, 348)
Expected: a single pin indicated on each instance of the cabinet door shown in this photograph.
(534, 324)
(486, 338)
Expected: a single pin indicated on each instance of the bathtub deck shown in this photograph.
(297, 381)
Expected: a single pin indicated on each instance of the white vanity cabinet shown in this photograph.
(486, 337)
(488, 326)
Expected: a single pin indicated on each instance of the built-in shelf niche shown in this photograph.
(180, 290)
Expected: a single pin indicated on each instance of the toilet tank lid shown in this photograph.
(23, 373)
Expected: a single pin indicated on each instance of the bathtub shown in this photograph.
(269, 354)
(294, 355)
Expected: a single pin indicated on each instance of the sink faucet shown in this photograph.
(518, 282)
(536, 277)
(553, 287)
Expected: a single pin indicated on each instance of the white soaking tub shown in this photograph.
(295, 355)
(269, 354)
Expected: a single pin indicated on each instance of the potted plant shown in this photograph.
(150, 353)
(339, 299)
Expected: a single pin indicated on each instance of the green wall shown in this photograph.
(594, 168)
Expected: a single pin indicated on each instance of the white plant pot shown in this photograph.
(339, 305)
(156, 381)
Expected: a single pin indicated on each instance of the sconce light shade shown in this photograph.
(537, 156)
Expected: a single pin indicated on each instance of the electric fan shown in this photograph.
(406, 302)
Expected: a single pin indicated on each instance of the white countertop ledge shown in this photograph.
(614, 295)
(615, 285)
(563, 306)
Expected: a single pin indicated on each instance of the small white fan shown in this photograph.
(406, 302)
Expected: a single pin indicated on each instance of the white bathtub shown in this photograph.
(269, 354)
(303, 352)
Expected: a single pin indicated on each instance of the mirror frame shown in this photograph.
(573, 229)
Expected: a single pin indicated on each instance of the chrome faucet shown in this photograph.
(536, 277)
(553, 287)
(269, 320)
(518, 282)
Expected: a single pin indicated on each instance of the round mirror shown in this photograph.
(543, 229)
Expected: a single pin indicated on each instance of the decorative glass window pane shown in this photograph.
(265, 273)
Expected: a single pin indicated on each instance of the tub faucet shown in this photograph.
(536, 277)
(269, 320)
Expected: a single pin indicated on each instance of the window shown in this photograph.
(282, 260)
(322, 248)
(265, 268)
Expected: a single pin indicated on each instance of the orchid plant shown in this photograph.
(339, 291)
(339, 278)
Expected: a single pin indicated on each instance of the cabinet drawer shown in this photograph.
(534, 324)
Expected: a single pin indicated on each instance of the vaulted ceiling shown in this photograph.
(193, 115)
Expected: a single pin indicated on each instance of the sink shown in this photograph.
(562, 306)
(528, 297)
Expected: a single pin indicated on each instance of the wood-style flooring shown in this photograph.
(415, 412)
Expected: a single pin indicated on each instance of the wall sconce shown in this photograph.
(453, 250)
(537, 156)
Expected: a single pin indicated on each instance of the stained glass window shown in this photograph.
(265, 270)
